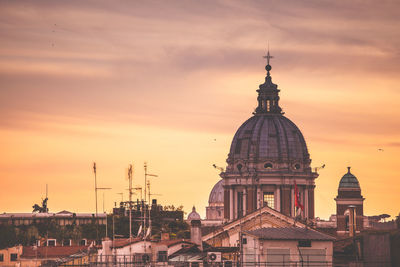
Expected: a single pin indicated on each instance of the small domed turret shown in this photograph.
(349, 180)
(217, 194)
(193, 215)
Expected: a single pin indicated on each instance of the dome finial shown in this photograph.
(348, 169)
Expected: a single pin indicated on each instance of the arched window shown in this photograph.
(239, 167)
(268, 165)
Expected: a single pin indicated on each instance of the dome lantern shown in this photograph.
(268, 94)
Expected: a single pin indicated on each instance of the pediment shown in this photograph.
(262, 218)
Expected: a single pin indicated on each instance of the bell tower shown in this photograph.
(349, 204)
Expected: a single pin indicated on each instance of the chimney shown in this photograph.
(195, 233)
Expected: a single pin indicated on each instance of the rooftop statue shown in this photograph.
(41, 209)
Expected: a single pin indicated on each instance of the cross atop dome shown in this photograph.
(268, 57)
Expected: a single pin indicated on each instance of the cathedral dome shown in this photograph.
(271, 138)
(217, 194)
(267, 160)
(349, 181)
(193, 215)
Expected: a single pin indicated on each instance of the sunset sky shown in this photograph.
(169, 82)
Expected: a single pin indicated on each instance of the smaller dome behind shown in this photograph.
(193, 215)
(217, 194)
(349, 180)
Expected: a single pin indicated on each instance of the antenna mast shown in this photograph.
(130, 172)
(95, 192)
(145, 196)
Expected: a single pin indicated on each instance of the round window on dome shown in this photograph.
(268, 165)
(297, 166)
(239, 167)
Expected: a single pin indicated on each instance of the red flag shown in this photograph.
(297, 203)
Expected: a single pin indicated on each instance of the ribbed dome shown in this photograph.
(193, 215)
(270, 137)
(349, 180)
(217, 194)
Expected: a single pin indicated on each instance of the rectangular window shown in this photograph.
(13, 257)
(82, 242)
(269, 199)
(51, 242)
(304, 243)
(162, 256)
(1, 257)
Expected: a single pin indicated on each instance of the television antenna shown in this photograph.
(95, 190)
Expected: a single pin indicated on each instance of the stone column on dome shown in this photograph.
(226, 203)
(286, 200)
(258, 197)
(306, 202)
(231, 215)
(292, 210)
(235, 206)
(250, 199)
(278, 198)
(244, 201)
(311, 211)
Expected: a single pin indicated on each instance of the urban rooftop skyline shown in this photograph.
(121, 83)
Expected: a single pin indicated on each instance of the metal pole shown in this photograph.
(145, 180)
(147, 183)
(130, 200)
(113, 237)
(144, 206)
(95, 191)
(149, 212)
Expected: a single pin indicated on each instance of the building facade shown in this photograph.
(61, 218)
(287, 247)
